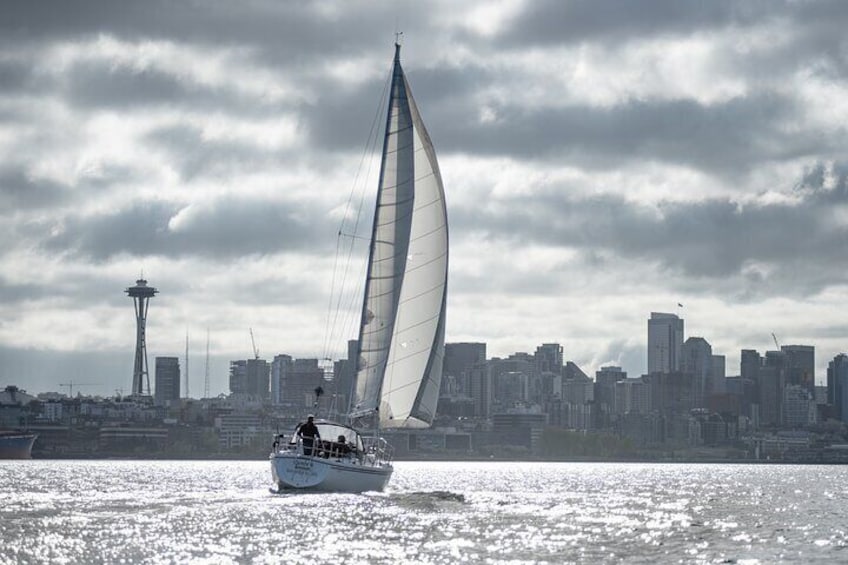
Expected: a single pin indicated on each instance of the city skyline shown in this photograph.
(600, 162)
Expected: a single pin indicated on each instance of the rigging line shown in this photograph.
(357, 295)
(368, 149)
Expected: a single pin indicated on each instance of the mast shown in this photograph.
(373, 343)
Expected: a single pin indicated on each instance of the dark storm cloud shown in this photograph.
(192, 155)
(733, 136)
(15, 76)
(284, 33)
(802, 247)
(106, 86)
(224, 230)
(14, 293)
(554, 21)
(19, 192)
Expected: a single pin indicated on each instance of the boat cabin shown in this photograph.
(336, 440)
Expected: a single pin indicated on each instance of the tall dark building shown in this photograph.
(605, 380)
(665, 342)
(297, 380)
(167, 380)
(697, 364)
(459, 358)
(837, 386)
(549, 358)
(800, 365)
(252, 377)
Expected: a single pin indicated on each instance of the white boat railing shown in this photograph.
(377, 451)
(381, 450)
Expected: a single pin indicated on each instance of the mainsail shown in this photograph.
(402, 333)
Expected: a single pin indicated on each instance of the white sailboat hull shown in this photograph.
(292, 470)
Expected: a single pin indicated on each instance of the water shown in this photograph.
(222, 511)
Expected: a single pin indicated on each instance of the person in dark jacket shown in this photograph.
(308, 433)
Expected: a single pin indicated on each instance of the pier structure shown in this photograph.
(141, 295)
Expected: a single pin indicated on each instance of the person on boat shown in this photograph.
(341, 448)
(308, 432)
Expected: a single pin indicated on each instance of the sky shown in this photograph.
(601, 160)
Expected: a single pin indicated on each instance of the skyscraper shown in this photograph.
(549, 358)
(697, 364)
(665, 342)
(459, 358)
(251, 377)
(141, 295)
(837, 386)
(167, 380)
(800, 365)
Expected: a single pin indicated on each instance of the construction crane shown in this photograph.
(774, 337)
(253, 342)
(71, 386)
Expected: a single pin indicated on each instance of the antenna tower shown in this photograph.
(206, 373)
(186, 367)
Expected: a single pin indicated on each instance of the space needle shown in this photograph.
(141, 295)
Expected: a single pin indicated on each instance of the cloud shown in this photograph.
(222, 229)
(764, 243)
(600, 159)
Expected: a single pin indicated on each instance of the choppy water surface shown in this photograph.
(176, 511)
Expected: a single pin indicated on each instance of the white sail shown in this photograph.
(401, 340)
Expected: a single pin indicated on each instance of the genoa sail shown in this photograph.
(401, 338)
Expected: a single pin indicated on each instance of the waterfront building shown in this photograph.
(665, 342)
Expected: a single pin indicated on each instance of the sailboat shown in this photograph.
(402, 328)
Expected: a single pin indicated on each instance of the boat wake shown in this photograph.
(426, 500)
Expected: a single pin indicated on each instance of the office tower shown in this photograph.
(800, 365)
(749, 364)
(837, 386)
(251, 377)
(141, 295)
(295, 384)
(281, 366)
(344, 377)
(605, 380)
(718, 375)
(632, 396)
(459, 358)
(665, 342)
(167, 380)
(770, 384)
(480, 383)
(549, 358)
(697, 363)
